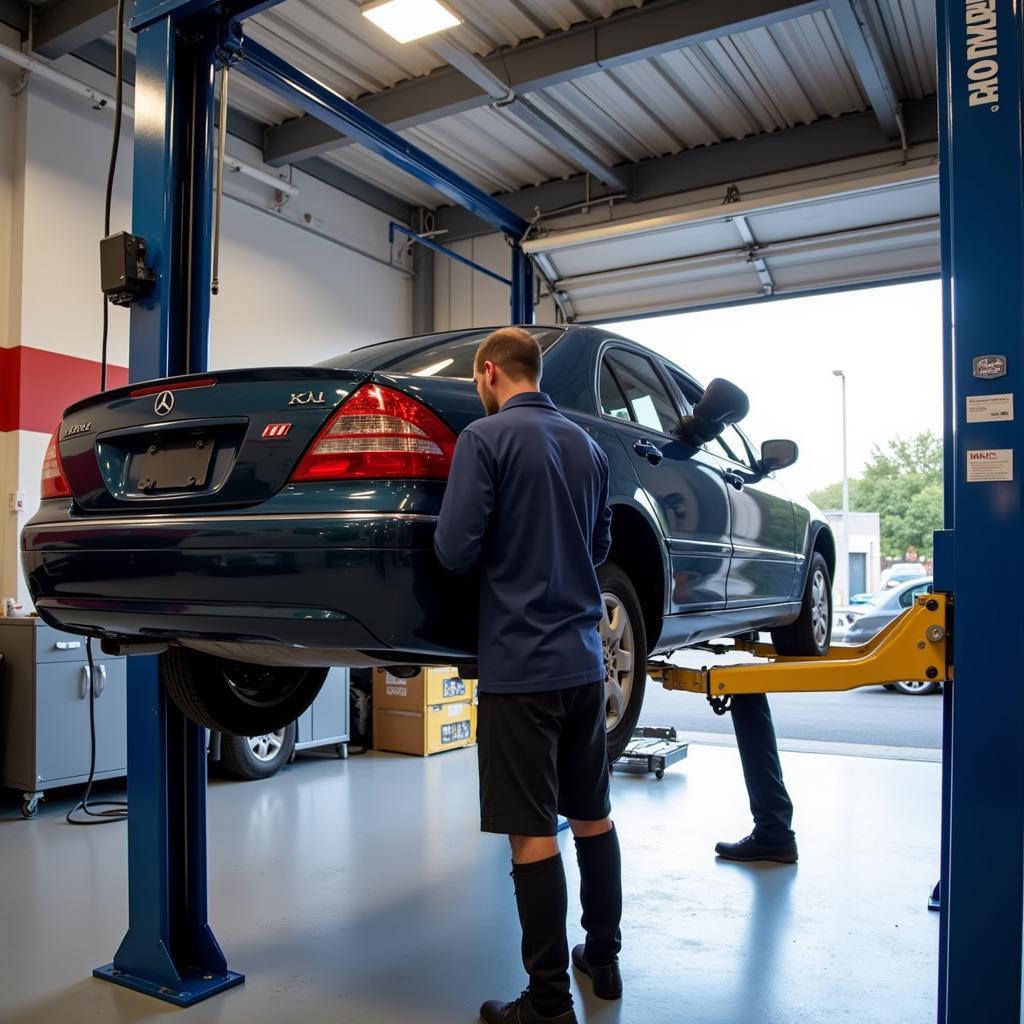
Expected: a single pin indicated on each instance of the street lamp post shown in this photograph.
(843, 566)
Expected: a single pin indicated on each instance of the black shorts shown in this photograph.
(541, 755)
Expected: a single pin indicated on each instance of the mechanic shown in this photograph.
(773, 837)
(527, 506)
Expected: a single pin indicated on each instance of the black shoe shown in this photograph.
(606, 979)
(521, 1012)
(752, 848)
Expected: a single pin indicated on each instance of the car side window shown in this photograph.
(913, 593)
(731, 443)
(613, 401)
(648, 398)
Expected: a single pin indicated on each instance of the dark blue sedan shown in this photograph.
(268, 523)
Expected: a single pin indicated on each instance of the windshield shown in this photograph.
(433, 355)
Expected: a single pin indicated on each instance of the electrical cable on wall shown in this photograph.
(116, 810)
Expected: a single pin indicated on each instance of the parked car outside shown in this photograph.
(268, 523)
(887, 606)
(900, 572)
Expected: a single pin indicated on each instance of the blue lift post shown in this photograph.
(169, 950)
(980, 559)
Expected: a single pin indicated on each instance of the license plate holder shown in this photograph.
(172, 466)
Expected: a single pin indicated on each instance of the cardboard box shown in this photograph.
(438, 727)
(427, 688)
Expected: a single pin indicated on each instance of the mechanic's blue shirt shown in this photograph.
(527, 503)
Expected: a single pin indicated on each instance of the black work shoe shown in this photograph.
(606, 979)
(521, 1012)
(752, 848)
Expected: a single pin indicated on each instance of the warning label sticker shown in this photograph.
(986, 465)
(985, 408)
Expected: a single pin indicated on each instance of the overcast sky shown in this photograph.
(782, 353)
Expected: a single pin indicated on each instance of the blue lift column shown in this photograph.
(169, 950)
(982, 558)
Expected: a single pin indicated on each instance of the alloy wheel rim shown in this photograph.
(266, 746)
(819, 608)
(618, 648)
(915, 685)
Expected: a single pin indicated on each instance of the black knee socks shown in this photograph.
(543, 903)
(600, 864)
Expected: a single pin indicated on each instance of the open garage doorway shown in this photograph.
(785, 354)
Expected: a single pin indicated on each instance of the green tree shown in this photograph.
(903, 484)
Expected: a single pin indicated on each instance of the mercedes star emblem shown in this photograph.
(164, 403)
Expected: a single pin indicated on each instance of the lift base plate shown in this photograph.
(194, 989)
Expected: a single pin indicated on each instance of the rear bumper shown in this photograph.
(332, 582)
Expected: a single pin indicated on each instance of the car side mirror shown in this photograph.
(721, 405)
(778, 454)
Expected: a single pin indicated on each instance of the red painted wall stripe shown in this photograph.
(36, 386)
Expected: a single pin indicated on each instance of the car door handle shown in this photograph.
(733, 479)
(101, 683)
(649, 450)
(85, 683)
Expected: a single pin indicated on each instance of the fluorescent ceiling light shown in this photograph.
(406, 20)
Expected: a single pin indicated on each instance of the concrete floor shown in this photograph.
(361, 891)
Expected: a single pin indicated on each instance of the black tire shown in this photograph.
(272, 752)
(805, 637)
(620, 595)
(234, 697)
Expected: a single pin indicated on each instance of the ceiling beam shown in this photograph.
(866, 55)
(627, 36)
(824, 141)
(64, 25)
(564, 142)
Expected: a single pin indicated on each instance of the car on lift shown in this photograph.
(268, 523)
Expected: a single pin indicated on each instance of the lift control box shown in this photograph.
(124, 275)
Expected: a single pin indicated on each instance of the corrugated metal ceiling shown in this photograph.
(794, 72)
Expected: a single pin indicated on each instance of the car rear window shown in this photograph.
(434, 355)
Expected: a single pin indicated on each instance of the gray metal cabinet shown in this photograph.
(44, 710)
(325, 721)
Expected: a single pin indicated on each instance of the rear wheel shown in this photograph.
(235, 697)
(257, 757)
(624, 641)
(810, 635)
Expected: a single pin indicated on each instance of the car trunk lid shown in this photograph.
(230, 438)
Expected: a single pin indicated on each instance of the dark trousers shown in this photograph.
(762, 771)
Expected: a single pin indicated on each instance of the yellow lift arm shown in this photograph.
(915, 646)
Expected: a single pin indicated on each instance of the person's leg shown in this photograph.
(600, 863)
(584, 800)
(770, 804)
(517, 737)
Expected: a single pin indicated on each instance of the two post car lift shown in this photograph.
(169, 950)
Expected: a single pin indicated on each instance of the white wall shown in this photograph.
(866, 539)
(298, 285)
(465, 298)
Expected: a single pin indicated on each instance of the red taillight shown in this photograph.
(379, 433)
(54, 483)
